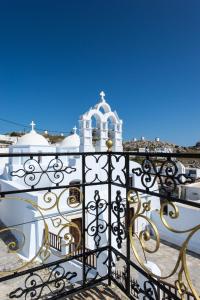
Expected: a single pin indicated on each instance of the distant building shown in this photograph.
(193, 172)
(6, 140)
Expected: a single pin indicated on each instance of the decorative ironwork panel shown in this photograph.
(33, 172)
(118, 226)
(98, 226)
(118, 169)
(96, 168)
(165, 172)
(84, 218)
(36, 285)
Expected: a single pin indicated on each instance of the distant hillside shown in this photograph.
(127, 145)
(151, 145)
(52, 138)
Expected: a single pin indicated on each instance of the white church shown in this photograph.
(24, 216)
(32, 212)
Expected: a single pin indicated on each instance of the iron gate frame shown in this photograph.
(148, 292)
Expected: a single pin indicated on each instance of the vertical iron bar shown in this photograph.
(109, 219)
(127, 227)
(83, 217)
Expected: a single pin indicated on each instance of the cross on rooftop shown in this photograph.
(32, 125)
(75, 129)
(102, 94)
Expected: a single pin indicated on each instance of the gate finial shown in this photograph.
(109, 144)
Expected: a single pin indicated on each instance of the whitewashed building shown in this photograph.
(26, 218)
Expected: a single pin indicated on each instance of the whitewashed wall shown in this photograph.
(188, 218)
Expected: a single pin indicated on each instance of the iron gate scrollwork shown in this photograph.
(72, 244)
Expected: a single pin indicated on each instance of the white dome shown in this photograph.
(71, 141)
(33, 139)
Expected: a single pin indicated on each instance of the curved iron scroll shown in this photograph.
(167, 174)
(98, 225)
(118, 227)
(32, 171)
(183, 281)
(57, 280)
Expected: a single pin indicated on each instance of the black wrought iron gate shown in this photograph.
(46, 255)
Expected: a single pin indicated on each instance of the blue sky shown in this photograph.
(56, 56)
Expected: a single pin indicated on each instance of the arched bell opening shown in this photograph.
(111, 125)
(104, 108)
(96, 129)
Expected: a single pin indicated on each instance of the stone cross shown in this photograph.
(75, 129)
(32, 125)
(102, 95)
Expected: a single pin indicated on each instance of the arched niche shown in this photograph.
(95, 119)
(112, 117)
(97, 114)
(111, 121)
(104, 108)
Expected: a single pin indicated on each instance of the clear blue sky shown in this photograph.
(56, 56)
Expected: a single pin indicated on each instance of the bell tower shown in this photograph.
(85, 131)
(108, 125)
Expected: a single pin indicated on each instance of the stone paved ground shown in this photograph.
(12, 260)
(8, 261)
(99, 292)
(165, 258)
